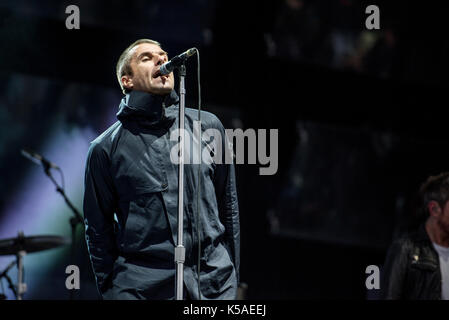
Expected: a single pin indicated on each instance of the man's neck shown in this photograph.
(436, 234)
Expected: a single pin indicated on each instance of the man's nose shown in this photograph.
(160, 60)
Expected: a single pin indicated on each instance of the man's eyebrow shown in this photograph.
(150, 53)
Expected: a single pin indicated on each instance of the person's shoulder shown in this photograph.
(108, 135)
(404, 241)
(208, 119)
(105, 139)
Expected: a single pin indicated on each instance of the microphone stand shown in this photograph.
(74, 221)
(180, 249)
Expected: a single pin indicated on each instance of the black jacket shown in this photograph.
(130, 207)
(412, 269)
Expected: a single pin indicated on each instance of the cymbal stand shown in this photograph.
(4, 273)
(21, 285)
(75, 220)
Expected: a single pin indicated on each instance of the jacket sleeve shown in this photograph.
(98, 207)
(227, 201)
(394, 271)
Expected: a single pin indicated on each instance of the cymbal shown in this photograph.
(31, 244)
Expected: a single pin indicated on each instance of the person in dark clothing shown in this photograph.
(417, 264)
(131, 192)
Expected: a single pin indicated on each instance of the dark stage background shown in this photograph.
(361, 116)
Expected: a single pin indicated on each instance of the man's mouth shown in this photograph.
(158, 74)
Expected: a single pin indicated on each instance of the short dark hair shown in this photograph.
(123, 66)
(435, 188)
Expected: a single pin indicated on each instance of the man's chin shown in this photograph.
(161, 91)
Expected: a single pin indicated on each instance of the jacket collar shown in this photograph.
(145, 107)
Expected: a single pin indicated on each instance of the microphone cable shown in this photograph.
(199, 175)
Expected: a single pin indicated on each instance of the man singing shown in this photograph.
(131, 193)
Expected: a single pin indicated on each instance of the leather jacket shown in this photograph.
(412, 269)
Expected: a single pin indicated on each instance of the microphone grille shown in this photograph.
(191, 52)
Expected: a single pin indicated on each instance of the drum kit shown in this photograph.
(20, 246)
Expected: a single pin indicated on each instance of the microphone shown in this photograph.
(38, 159)
(174, 63)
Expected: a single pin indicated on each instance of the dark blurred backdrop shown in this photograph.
(361, 117)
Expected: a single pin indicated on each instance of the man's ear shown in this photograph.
(434, 208)
(127, 82)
